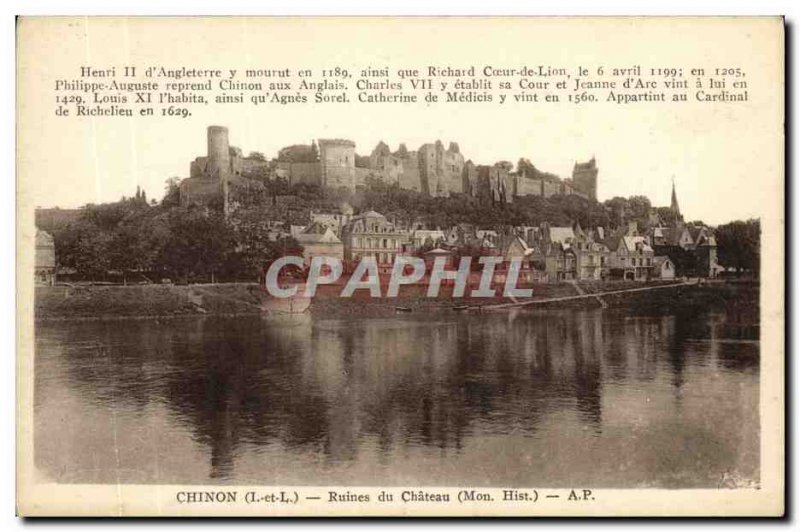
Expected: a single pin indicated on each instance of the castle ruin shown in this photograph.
(432, 169)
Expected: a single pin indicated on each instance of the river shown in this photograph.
(588, 398)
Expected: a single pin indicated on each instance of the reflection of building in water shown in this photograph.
(337, 390)
(233, 388)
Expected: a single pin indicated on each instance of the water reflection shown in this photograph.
(514, 398)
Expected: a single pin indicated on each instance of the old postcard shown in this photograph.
(400, 266)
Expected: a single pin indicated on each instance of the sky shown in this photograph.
(725, 159)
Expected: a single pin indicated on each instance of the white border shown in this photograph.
(307, 7)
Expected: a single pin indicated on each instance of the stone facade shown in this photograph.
(319, 240)
(470, 179)
(371, 235)
(631, 258)
(337, 163)
(441, 170)
(495, 184)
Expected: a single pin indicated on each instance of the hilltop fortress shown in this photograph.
(432, 169)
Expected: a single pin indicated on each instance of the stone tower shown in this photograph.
(337, 159)
(218, 164)
(584, 177)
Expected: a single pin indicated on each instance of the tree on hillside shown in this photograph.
(739, 245)
(667, 215)
(254, 246)
(198, 243)
(639, 208)
(633, 209)
(83, 246)
(172, 193)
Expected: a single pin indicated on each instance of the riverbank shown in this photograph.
(166, 301)
(145, 301)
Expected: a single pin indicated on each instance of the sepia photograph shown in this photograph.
(501, 268)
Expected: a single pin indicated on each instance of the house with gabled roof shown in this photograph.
(630, 258)
(663, 268)
(319, 240)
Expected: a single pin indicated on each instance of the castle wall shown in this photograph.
(504, 185)
(307, 173)
(388, 167)
(484, 183)
(494, 183)
(252, 166)
(452, 168)
(337, 158)
(338, 177)
(361, 174)
(197, 168)
(440, 170)
(199, 190)
(550, 188)
(431, 170)
(385, 165)
(410, 177)
(527, 187)
(429, 181)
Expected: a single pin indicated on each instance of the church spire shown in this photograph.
(674, 204)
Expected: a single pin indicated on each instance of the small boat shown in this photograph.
(460, 307)
(402, 309)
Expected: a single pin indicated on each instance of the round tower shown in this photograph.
(219, 158)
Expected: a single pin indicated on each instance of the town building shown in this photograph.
(663, 268)
(630, 258)
(336, 221)
(560, 262)
(370, 234)
(44, 259)
(319, 240)
(691, 248)
(431, 238)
